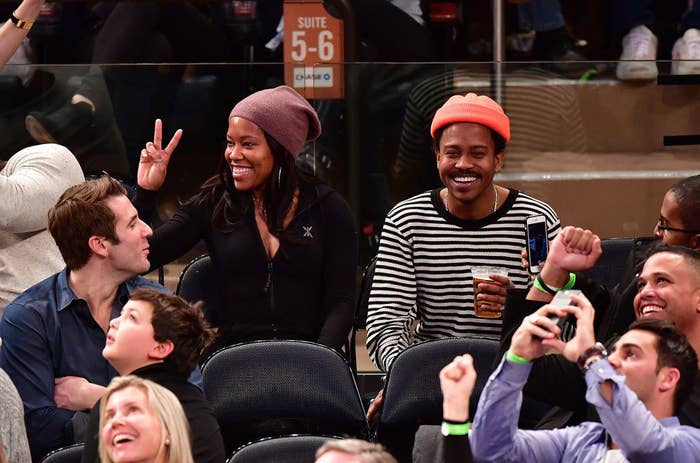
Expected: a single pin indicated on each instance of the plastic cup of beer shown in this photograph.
(481, 275)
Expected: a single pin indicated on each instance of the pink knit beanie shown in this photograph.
(472, 108)
(283, 114)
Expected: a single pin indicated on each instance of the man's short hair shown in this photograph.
(366, 452)
(80, 213)
(673, 350)
(690, 256)
(687, 195)
(174, 319)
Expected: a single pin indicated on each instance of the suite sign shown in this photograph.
(313, 49)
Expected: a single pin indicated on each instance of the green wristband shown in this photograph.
(572, 281)
(540, 285)
(514, 358)
(454, 429)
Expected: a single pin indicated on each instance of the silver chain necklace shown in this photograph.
(495, 201)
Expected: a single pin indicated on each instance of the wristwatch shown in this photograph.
(21, 23)
(590, 355)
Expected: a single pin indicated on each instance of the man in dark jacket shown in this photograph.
(160, 337)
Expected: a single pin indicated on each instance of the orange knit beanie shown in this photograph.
(472, 108)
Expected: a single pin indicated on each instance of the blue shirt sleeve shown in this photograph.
(25, 356)
(495, 436)
(640, 435)
(196, 379)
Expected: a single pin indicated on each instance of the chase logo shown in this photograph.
(313, 76)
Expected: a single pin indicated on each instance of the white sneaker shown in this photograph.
(686, 53)
(638, 59)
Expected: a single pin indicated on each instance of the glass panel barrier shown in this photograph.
(592, 147)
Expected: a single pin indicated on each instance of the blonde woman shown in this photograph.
(142, 421)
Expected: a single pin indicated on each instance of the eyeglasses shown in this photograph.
(680, 230)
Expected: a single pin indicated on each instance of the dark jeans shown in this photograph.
(627, 14)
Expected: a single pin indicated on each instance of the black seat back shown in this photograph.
(198, 282)
(610, 266)
(272, 388)
(69, 454)
(412, 395)
(360, 322)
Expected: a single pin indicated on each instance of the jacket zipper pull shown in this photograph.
(268, 282)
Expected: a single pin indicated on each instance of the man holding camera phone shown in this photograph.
(636, 390)
(576, 250)
(668, 288)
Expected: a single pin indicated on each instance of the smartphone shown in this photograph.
(537, 242)
(567, 325)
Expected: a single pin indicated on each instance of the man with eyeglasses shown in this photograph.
(660, 228)
(679, 219)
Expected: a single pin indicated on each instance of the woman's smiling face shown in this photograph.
(131, 430)
(248, 154)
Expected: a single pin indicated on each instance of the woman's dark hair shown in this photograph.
(285, 178)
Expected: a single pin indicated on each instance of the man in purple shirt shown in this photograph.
(636, 390)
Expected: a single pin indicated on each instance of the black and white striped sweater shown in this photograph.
(422, 287)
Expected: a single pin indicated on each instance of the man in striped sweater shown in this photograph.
(430, 242)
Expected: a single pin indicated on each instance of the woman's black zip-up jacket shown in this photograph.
(306, 291)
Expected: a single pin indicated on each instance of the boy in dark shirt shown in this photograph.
(160, 337)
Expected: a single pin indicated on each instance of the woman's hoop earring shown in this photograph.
(279, 178)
